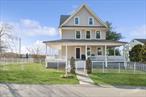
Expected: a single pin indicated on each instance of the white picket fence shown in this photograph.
(4, 61)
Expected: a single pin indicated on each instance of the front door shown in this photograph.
(77, 53)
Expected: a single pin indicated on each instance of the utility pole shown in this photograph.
(19, 46)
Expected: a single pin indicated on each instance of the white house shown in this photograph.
(83, 35)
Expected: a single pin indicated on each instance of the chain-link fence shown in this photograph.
(119, 67)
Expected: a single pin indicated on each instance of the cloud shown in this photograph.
(130, 33)
(34, 28)
(139, 32)
(29, 30)
(40, 46)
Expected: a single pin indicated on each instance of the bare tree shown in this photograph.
(35, 50)
(5, 31)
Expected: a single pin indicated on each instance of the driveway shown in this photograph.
(17, 90)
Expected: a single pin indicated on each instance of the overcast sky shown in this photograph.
(38, 20)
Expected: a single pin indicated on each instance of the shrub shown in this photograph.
(89, 66)
(134, 54)
(72, 64)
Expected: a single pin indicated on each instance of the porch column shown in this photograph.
(46, 50)
(66, 67)
(105, 49)
(46, 57)
(125, 62)
(86, 51)
(114, 51)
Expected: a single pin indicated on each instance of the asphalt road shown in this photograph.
(19, 90)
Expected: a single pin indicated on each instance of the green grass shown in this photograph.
(119, 79)
(33, 74)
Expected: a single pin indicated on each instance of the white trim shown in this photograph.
(105, 51)
(66, 52)
(78, 20)
(84, 5)
(86, 51)
(80, 35)
(95, 34)
(80, 52)
(86, 34)
(92, 21)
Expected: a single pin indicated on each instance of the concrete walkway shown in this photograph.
(17, 90)
(84, 78)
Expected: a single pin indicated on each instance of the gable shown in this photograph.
(83, 13)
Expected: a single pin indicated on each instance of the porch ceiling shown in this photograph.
(73, 42)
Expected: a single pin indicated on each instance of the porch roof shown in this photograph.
(84, 42)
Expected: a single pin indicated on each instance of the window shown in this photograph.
(97, 34)
(78, 34)
(88, 51)
(88, 35)
(90, 21)
(99, 51)
(76, 20)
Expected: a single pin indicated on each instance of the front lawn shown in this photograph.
(33, 74)
(119, 79)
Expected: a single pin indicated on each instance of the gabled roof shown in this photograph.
(141, 40)
(63, 18)
(66, 19)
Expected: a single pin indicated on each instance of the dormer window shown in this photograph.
(97, 34)
(87, 34)
(78, 34)
(90, 21)
(76, 20)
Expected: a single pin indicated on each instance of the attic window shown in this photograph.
(76, 20)
(90, 21)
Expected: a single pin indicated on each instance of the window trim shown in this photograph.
(86, 35)
(78, 20)
(76, 34)
(96, 33)
(92, 21)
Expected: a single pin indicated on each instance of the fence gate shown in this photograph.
(80, 65)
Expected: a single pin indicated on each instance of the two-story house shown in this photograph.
(83, 35)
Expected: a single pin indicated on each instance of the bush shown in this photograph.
(143, 54)
(89, 66)
(134, 54)
(72, 63)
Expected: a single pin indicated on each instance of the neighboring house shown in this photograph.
(83, 35)
(131, 44)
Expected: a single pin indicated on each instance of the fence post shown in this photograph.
(92, 66)
(119, 68)
(134, 67)
(103, 67)
(57, 65)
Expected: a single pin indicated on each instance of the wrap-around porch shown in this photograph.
(81, 51)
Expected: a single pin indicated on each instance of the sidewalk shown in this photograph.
(84, 78)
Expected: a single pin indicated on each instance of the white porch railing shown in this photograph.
(93, 58)
(109, 58)
(55, 59)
